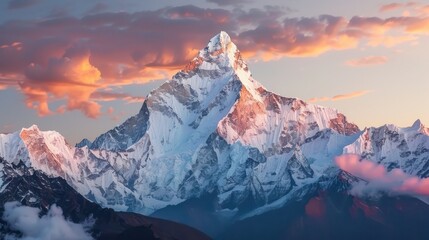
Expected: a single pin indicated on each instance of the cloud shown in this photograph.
(304, 37)
(53, 225)
(111, 96)
(298, 37)
(366, 61)
(120, 49)
(17, 4)
(375, 27)
(424, 9)
(228, 2)
(83, 55)
(395, 182)
(397, 6)
(391, 7)
(350, 95)
(71, 77)
(339, 97)
(113, 115)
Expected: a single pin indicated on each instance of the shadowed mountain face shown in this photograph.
(332, 214)
(33, 188)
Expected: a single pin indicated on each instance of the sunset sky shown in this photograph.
(82, 67)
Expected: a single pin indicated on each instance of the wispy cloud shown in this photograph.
(397, 6)
(395, 182)
(367, 61)
(53, 225)
(112, 96)
(339, 96)
(17, 4)
(229, 2)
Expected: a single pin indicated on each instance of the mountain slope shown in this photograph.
(395, 147)
(337, 215)
(33, 188)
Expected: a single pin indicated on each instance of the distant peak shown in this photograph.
(31, 128)
(417, 124)
(83, 143)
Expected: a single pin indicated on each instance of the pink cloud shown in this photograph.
(112, 114)
(350, 95)
(101, 50)
(71, 77)
(111, 96)
(391, 7)
(366, 61)
(378, 179)
(397, 6)
(229, 2)
(339, 96)
(424, 9)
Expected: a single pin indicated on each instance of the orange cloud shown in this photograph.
(110, 96)
(71, 78)
(424, 10)
(397, 6)
(339, 97)
(390, 41)
(391, 7)
(365, 61)
(132, 48)
(36, 99)
(111, 113)
(379, 179)
(350, 95)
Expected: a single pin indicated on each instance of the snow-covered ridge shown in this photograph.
(394, 147)
(211, 129)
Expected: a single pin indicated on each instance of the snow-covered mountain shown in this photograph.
(33, 188)
(395, 147)
(213, 129)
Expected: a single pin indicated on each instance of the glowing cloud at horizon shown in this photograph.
(394, 182)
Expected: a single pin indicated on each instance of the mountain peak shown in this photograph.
(220, 56)
(220, 41)
(33, 127)
(417, 124)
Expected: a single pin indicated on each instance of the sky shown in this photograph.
(82, 67)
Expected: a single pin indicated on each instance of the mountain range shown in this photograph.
(213, 149)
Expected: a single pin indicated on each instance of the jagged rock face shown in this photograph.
(84, 143)
(394, 147)
(211, 129)
(35, 189)
(122, 136)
